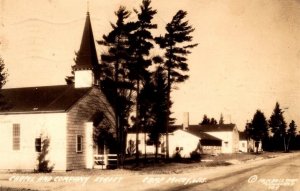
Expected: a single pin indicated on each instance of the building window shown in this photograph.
(38, 144)
(79, 143)
(243, 144)
(226, 143)
(16, 137)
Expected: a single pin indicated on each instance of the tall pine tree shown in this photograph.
(154, 106)
(278, 128)
(258, 128)
(140, 46)
(291, 134)
(175, 43)
(115, 81)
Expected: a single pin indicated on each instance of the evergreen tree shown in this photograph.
(213, 121)
(175, 43)
(153, 99)
(43, 164)
(221, 121)
(258, 128)
(247, 130)
(114, 74)
(278, 128)
(3, 73)
(291, 133)
(3, 79)
(205, 120)
(140, 46)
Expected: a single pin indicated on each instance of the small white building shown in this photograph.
(143, 146)
(182, 141)
(248, 144)
(228, 133)
(243, 143)
(64, 114)
(186, 142)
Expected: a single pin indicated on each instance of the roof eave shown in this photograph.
(31, 112)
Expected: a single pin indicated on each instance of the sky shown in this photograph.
(247, 58)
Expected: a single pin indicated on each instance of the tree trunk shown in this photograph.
(256, 146)
(119, 146)
(145, 154)
(137, 154)
(288, 144)
(284, 143)
(167, 117)
(156, 151)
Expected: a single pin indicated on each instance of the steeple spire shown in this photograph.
(86, 58)
(87, 55)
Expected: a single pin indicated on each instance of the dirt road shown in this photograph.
(280, 173)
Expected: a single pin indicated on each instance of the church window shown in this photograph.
(16, 137)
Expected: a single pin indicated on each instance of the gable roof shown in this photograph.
(204, 136)
(211, 128)
(206, 139)
(173, 128)
(41, 99)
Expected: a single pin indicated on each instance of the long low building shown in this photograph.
(180, 141)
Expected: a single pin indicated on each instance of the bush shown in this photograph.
(177, 157)
(43, 164)
(195, 156)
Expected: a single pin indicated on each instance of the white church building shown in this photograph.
(64, 114)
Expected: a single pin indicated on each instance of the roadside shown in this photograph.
(125, 177)
(206, 162)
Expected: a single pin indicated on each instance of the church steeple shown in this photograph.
(86, 62)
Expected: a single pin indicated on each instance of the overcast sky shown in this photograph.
(247, 58)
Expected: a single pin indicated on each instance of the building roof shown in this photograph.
(86, 57)
(204, 136)
(210, 128)
(200, 134)
(41, 99)
(171, 129)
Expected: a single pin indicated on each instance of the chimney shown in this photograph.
(185, 120)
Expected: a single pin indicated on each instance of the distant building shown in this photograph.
(187, 142)
(182, 141)
(63, 113)
(215, 139)
(243, 143)
(248, 144)
(228, 133)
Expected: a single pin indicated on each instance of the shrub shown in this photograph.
(43, 163)
(195, 156)
(177, 157)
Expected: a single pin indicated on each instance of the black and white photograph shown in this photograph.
(146, 95)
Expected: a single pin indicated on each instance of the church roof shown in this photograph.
(86, 57)
(41, 99)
